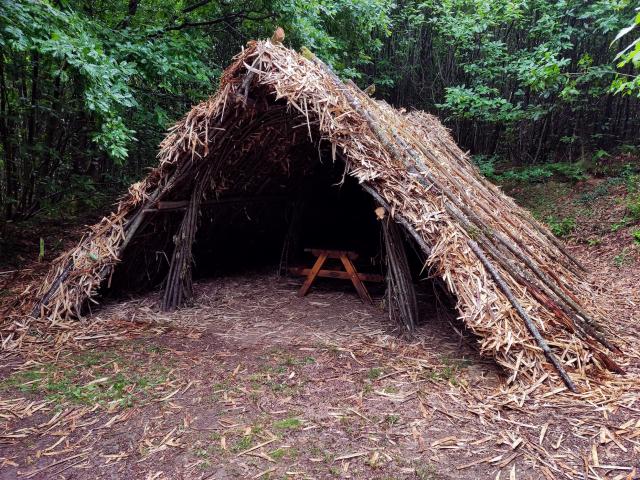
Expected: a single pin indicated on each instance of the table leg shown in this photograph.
(355, 279)
(312, 275)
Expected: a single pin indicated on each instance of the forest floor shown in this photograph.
(253, 382)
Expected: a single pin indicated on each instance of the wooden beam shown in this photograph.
(177, 205)
(332, 253)
(365, 277)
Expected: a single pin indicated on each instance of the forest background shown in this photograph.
(536, 90)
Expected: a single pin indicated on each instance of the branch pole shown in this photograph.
(535, 333)
(401, 293)
(526, 279)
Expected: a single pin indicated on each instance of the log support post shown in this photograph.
(179, 283)
(401, 294)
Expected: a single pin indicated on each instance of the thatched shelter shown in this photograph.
(276, 116)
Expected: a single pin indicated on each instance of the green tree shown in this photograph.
(626, 82)
(87, 88)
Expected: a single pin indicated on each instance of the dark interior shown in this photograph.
(319, 210)
(311, 205)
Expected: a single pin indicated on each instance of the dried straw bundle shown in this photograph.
(517, 288)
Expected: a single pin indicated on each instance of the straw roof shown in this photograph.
(503, 267)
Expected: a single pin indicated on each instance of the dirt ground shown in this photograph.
(253, 382)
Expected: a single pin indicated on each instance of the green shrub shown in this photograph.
(633, 206)
(534, 174)
(636, 236)
(622, 258)
(621, 224)
(629, 149)
(631, 179)
(571, 172)
(486, 165)
(567, 172)
(561, 227)
(600, 190)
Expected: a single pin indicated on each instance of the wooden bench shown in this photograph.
(349, 272)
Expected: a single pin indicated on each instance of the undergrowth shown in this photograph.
(568, 172)
(89, 380)
(544, 189)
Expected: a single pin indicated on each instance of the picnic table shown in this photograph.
(346, 257)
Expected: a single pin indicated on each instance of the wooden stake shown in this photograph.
(497, 278)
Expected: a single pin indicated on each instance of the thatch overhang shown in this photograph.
(517, 288)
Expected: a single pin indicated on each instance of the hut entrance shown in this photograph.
(269, 220)
(268, 196)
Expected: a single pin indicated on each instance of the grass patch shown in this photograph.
(541, 199)
(290, 361)
(623, 258)
(426, 472)
(562, 171)
(374, 373)
(633, 206)
(201, 453)
(242, 444)
(291, 423)
(88, 380)
(621, 224)
(278, 454)
(588, 197)
(450, 370)
(392, 419)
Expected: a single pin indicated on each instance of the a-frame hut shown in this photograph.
(276, 116)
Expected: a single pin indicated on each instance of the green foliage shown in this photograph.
(89, 87)
(450, 371)
(427, 472)
(630, 55)
(344, 33)
(632, 182)
(619, 225)
(622, 258)
(392, 419)
(545, 69)
(41, 250)
(287, 424)
(523, 80)
(278, 453)
(589, 196)
(479, 103)
(561, 227)
(633, 206)
(636, 235)
(81, 50)
(242, 444)
(486, 165)
(68, 384)
(534, 174)
(374, 373)
(568, 172)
